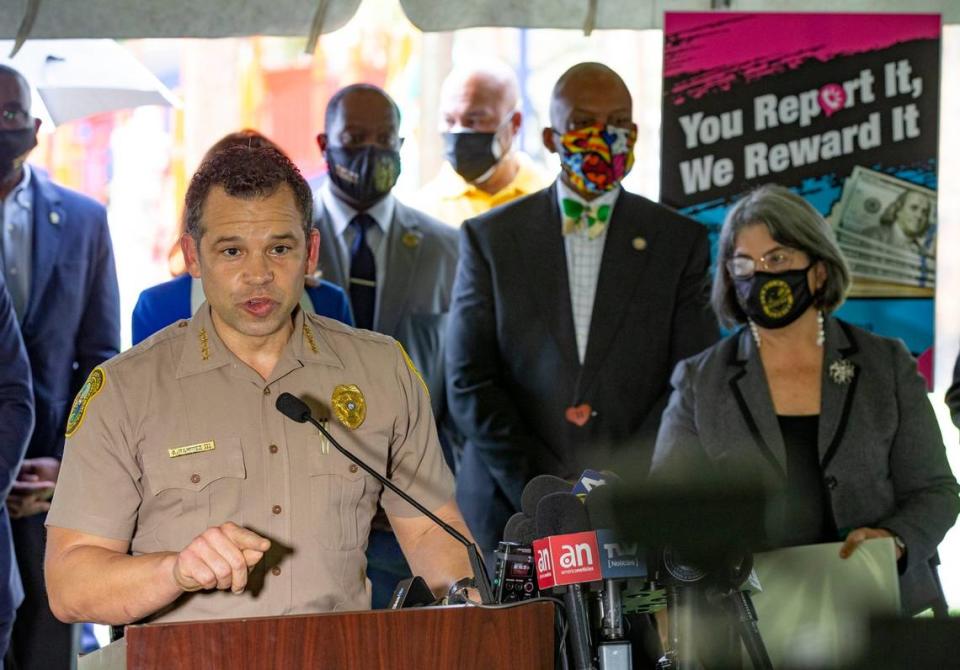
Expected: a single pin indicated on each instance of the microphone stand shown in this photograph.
(721, 588)
(480, 578)
(741, 611)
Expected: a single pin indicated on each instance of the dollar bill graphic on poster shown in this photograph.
(887, 230)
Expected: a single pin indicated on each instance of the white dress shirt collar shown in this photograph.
(341, 214)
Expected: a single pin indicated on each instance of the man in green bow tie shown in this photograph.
(570, 308)
(578, 217)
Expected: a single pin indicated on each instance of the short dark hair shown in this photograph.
(333, 105)
(6, 70)
(248, 172)
(247, 137)
(792, 222)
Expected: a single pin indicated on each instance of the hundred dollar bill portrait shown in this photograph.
(886, 228)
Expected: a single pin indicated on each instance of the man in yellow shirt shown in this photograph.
(482, 170)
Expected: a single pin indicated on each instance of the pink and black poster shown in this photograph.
(841, 108)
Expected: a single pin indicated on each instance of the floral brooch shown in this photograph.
(842, 371)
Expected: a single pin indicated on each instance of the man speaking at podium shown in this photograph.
(185, 495)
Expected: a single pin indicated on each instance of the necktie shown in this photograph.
(578, 216)
(363, 272)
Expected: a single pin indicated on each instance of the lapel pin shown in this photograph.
(410, 240)
(842, 371)
(579, 415)
(54, 218)
(639, 243)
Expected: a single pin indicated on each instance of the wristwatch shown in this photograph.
(900, 545)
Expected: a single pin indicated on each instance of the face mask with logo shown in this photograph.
(14, 147)
(774, 300)
(365, 174)
(473, 155)
(597, 158)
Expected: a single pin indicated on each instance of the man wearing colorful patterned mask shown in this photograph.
(570, 308)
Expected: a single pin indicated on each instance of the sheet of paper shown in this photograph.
(815, 607)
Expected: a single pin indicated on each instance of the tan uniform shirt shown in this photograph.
(177, 435)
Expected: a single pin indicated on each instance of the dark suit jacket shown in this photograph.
(16, 423)
(72, 321)
(168, 302)
(881, 452)
(512, 365)
(415, 291)
(953, 394)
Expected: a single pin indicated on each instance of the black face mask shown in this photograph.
(774, 300)
(14, 147)
(366, 174)
(472, 155)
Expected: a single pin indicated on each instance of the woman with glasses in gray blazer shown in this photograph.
(833, 420)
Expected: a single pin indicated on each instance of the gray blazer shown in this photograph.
(881, 451)
(415, 290)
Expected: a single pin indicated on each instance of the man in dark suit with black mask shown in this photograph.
(395, 263)
(571, 307)
(57, 259)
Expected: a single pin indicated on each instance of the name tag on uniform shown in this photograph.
(192, 449)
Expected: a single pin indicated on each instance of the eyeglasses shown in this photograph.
(13, 116)
(776, 261)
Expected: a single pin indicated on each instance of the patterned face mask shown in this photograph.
(597, 158)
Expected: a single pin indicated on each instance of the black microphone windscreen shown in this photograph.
(510, 529)
(520, 529)
(537, 488)
(293, 408)
(561, 513)
(599, 504)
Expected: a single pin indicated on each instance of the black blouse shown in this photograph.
(807, 518)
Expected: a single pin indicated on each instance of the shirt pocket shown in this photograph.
(343, 497)
(185, 495)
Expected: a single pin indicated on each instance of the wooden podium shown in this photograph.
(462, 637)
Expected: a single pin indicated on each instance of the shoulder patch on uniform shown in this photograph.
(413, 369)
(90, 388)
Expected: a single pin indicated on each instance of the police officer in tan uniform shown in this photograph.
(182, 483)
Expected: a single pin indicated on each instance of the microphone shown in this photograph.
(567, 555)
(591, 479)
(621, 560)
(537, 488)
(514, 578)
(520, 529)
(294, 408)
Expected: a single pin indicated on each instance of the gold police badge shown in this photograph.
(90, 388)
(349, 405)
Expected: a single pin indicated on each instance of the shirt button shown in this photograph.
(266, 391)
(353, 467)
(195, 478)
(274, 449)
(277, 509)
(276, 572)
(831, 482)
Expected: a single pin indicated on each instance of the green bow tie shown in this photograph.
(578, 216)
